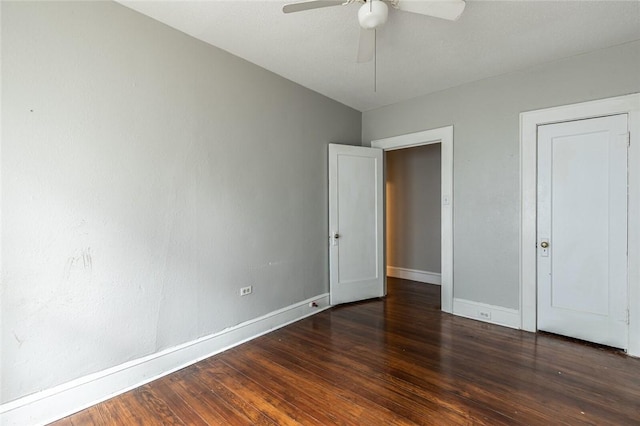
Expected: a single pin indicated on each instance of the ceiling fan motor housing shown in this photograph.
(372, 14)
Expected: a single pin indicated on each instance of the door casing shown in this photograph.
(529, 122)
(444, 136)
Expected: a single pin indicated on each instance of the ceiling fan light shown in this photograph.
(372, 14)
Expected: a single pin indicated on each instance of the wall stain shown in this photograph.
(20, 342)
(82, 261)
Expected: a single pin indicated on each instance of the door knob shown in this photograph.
(336, 235)
(544, 244)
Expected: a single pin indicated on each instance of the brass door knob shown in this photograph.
(544, 244)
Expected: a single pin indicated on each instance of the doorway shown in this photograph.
(444, 137)
(413, 223)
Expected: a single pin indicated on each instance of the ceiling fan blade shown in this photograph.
(366, 45)
(443, 9)
(310, 4)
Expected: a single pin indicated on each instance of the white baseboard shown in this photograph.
(414, 275)
(487, 313)
(63, 400)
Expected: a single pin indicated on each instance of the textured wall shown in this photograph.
(146, 177)
(485, 115)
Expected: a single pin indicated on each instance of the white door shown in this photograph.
(356, 256)
(582, 229)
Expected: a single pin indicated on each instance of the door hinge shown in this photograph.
(628, 317)
(627, 137)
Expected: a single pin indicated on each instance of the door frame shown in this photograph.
(529, 122)
(444, 136)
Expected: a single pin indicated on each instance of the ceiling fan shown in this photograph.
(373, 14)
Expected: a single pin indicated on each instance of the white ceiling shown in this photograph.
(416, 54)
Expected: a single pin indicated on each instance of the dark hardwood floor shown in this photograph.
(390, 362)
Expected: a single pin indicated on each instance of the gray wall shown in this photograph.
(413, 207)
(485, 115)
(146, 177)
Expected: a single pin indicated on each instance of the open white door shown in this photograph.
(582, 229)
(356, 223)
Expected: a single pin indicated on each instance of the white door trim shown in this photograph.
(529, 122)
(443, 135)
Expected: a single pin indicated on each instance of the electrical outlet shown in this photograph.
(246, 290)
(484, 314)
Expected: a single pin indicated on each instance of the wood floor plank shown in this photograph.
(233, 399)
(187, 407)
(392, 361)
(63, 422)
(143, 399)
(364, 359)
(90, 416)
(277, 409)
(213, 407)
(377, 391)
(115, 412)
(437, 405)
(288, 391)
(347, 404)
(483, 377)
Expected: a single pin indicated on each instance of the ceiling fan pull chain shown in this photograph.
(375, 61)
